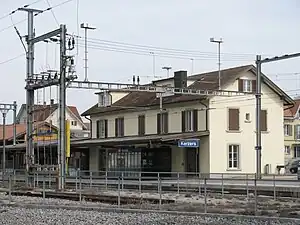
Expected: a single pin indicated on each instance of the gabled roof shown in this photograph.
(42, 112)
(204, 81)
(291, 112)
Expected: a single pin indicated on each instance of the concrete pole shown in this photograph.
(219, 63)
(258, 111)
(30, 93)
(62, 106)
(14, 122)
(3, 140)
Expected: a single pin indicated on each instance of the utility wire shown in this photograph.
(25, 6)
(162, 48)
(48, 9)
(11, 59)
(186, 54)
(52, 12)
(161, 55)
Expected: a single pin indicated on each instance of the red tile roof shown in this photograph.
(291, 112)
(20, 130)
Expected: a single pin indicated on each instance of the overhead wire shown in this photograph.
(52, 12)
(161, 48)
(11, 59)
(161, 55)
(25, 6)
(166, 53)
(36, 14)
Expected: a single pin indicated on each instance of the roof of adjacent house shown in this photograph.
(42, 112)
(20, 130)
(204, 81)
(291, 111)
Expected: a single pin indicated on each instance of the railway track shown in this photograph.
(74, 196)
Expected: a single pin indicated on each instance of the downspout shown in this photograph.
(91, 126)
(206, 115)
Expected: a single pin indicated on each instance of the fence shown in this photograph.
(162, 191)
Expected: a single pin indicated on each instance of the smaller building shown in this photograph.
(49, 113)
(292, 131)
(44, 140)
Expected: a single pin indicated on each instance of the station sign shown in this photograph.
(189, 143)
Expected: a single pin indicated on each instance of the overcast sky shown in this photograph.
(248, 27)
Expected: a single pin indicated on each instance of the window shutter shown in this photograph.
(263, 120)
(234, 120)
(241, 86)
(141, 125)
(290, 130)
(166, 123)
(158, 123)
(183, 121)
(116, 127)
(105, 128)
(98, 129)
(254, 86)
(122, 127)
(195, 120)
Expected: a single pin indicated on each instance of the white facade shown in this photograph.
(220, 138)
(222, 151)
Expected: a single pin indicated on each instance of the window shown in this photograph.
(162, 123)
(287, 150)
(247, 117)
(263, 120)
(234, 157)
(141, 125)
(233, 119)
(297, 132)
(104, 99)
(296, 151)
(101, 129)
(119, 127)
(246, 85)
(189, 120)
(74, 123)
(287, 130)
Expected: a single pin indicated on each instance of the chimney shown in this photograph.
(52, 102)
(180, 79)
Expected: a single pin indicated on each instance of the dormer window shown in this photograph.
(104, 99)
(246, 85)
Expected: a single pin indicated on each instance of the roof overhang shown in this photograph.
(288, 101)
(115, 142)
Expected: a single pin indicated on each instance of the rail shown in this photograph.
(157, 189)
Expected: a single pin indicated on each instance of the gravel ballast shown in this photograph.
(21, 216)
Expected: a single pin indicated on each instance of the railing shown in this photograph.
(167, 189)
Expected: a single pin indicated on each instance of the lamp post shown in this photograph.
(219, 42)
(167, 68)
(86, 27)
(153, 65)
(4, 108)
